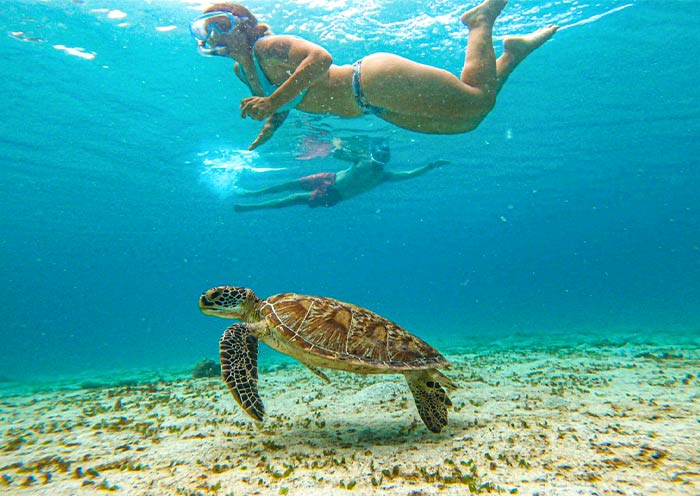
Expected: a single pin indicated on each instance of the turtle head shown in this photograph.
(228, 302)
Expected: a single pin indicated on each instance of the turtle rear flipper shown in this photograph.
(431, 399)
(238, 350)
(318, 372)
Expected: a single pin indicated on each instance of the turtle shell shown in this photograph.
(345, 332)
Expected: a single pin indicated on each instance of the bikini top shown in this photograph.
(267, 86)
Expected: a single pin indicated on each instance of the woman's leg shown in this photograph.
(516, 48)
(431, 125)
(430, 100)
(479, 68)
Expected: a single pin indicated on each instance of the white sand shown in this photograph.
(615, 420)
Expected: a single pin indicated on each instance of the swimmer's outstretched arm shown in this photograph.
(399, 176)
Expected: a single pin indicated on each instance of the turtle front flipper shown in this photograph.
(238, 350)
(431, 399)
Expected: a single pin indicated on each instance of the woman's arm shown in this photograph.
(237, 71)
(271, 124)
(311, 63)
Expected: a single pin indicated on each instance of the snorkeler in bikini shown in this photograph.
(285, 72)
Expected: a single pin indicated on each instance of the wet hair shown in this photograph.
(252, 29)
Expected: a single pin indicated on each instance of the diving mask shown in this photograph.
(381, 153)
(210, 24)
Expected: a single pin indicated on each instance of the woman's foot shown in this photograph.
(519, 47)
(485, 13)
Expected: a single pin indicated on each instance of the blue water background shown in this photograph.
(571, 212)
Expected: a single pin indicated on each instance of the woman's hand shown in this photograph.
(257, 107)
(269, 129)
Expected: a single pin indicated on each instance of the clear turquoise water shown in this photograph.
(571, 214)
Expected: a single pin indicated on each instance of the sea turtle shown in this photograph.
(323, 332)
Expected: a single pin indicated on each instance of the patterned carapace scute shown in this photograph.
(346, 332)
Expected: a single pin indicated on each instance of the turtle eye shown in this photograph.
(214, 295)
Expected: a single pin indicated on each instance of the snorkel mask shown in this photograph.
(209, 24)
(380, 153)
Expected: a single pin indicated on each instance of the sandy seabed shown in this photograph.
(573, 420)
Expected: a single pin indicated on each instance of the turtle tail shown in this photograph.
(430, 396)
(238, 350)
